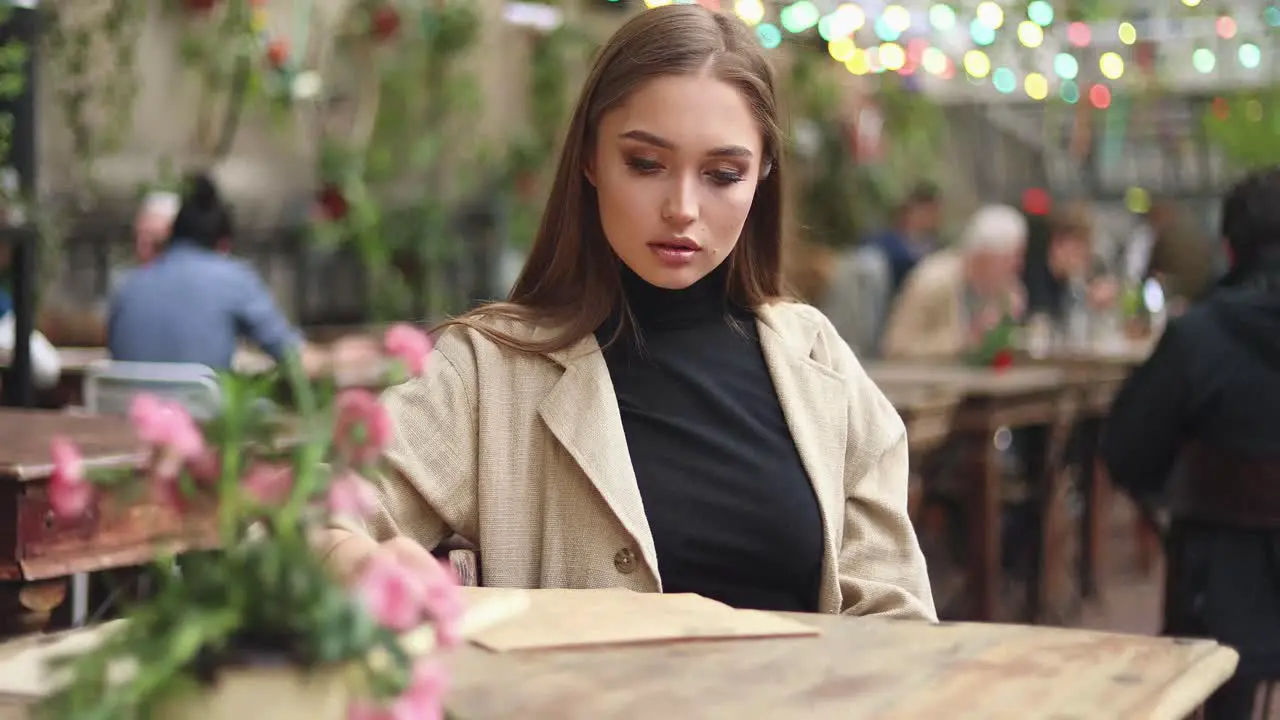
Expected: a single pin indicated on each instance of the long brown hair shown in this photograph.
(570, 281)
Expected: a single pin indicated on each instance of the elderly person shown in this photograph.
(151, 227)
(955, 296)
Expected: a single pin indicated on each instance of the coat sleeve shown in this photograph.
(428, 489)
(919, 324)
(1145, 430)
(882, 569)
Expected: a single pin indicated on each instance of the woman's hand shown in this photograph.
(347, 553)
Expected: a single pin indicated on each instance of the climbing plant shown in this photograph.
(394, 167)
(1245, 127)
(531, 156)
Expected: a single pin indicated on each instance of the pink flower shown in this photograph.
(363, 427)
(351, 496)
(422, 700)
(391, 594)
(268, 483)
(70, 492)
(162, 423)
(207, 468)
(408, 344)
(444, 604)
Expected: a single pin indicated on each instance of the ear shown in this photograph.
(589, 169)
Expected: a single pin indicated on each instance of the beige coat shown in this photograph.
(524, 455)
(928, 320)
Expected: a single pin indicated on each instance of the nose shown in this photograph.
(680, 208)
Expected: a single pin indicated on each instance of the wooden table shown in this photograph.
(857, 668)
(1096, 377)
(1012, 398)
(39, 551)
(926, 411)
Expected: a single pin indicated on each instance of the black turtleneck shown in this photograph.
(733, 515)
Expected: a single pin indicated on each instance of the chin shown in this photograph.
(672, 278)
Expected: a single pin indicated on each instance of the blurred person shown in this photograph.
(192, 303)
(1062, 256)
(954, 297)
(616, 422)
(1181, 258)
(913, 235)
(1194, 430)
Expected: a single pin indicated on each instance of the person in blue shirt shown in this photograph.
(194, 303)
(913, 235)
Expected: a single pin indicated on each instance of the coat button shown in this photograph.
(625, 561)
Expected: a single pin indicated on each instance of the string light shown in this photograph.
(1036, 86)
(1079, 34)
(1069, 91)
(1040, 13)
(859, 64)
(1250, 55)
(1111, 65)
(1100, 96)
(982, 33)
(799, 16)
(1004, 80)
(750, 12)
(1128, 33)
(977, 64)
(1203, 60)
(1066, 66)
(897, 18)
(1225, 27)
(942, 17)
(769, 34)
(990, 14)
(934, 61)
(841, 49)
(1030, 34)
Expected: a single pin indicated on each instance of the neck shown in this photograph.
(705, 301)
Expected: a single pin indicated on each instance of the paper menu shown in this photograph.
(584, 618)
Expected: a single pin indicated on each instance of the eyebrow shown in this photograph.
(649, 138)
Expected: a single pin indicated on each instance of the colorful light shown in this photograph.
(977, 64)
(1225, 26)
(990, 14)
(1040, 13)
(1250, 55)
(1203, 60)
(799, 16)
(750, 11)
(1004, 80)
(1079, 34)
(892, 56)
(1066, 66)
(1127, 33)
(982, 33)
(942, 17)
(841, 49)
(1030, 34)
(1137, 200)
(934, 61)
(845, 21)
(1111, 65)
(897, 17)
(1036, 86)
(1069, 92)
(885, 31)
(769, 35)
(1100, 96)
(1271, 15)
(1036, 201)
(859, 64)
(1191, 3)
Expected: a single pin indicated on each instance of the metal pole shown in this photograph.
(22, 26)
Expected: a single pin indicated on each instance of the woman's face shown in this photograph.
(675, 170)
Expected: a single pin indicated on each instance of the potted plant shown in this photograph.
(258, 627)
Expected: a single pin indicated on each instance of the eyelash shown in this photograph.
(722, 178)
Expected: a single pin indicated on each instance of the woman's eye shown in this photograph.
(726, 176)
(644, 166)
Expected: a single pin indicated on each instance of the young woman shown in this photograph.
(646, 410)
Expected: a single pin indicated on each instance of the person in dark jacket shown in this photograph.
(1194, 432)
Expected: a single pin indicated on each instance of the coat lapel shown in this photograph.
(816, 407)
(581, 411)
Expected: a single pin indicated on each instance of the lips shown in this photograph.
(676, 244)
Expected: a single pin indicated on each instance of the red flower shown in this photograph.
(331, 204)
(277, 53)
(385, 22)
(268, 483)
(1003, 360)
